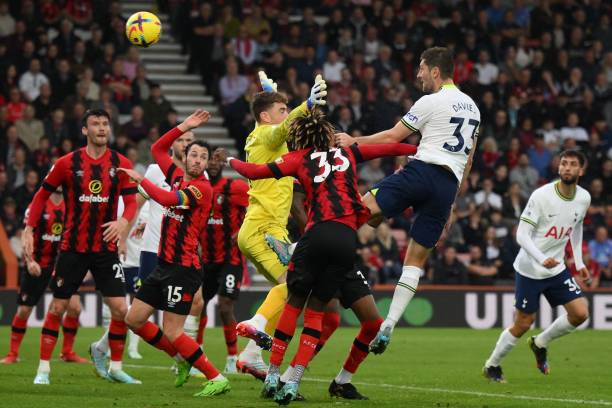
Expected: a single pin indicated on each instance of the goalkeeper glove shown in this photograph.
(267, 84)
(317, 93)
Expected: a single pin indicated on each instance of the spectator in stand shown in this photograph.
(245, 47)
(63, 82)
(501, 181)
(601, 250)
(80, 12)
(487, 72)
(121, 87)
(372, 171)
(572, 130)
(137, 128)
(66, 40)
(513, 203)
(55, 127)
(31, 81)
(525, 175)
(8, 149)
(29, 129)
(18, 168)
(473, 230)
(7, 22)
(25, 193)
(448, 270)
(256, 23)
(45, 103)
(144, 146)
(389, 253)
(11, 221)
(87, 80)
(480, 270)
(156, 106)
(16, 106)
(42, 156)
(539, 156)
(593, 267)
(332, 68)
(141, 86)
(597, 210)
(486, 199)
(232, 85)
(488, 157)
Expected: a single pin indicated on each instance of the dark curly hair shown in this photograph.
(311, 130)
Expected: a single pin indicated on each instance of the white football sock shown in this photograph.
(133, 340)
(115, 366)
(191, 326)
(287, 374)
(344, 377)
(106, 316)
(505, 343)
(560, 327)
(404, 291)
(102, 344)
(43, 366)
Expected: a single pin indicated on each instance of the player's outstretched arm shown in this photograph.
(253, 171)
(369, 152)
(394, 135)
(186, 197)
(160, 148)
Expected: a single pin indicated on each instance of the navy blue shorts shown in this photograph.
(429, 189)
(558, 290)
(148, 262)
(131, 279)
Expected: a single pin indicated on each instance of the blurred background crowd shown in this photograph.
(540, 72)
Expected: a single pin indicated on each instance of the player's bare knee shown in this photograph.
(24, 312)
(118, 310)
(58, 306)
(226, 305)
(577, 317)
(133, 322)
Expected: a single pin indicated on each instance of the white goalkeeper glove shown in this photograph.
(317, 93)
(267, 84)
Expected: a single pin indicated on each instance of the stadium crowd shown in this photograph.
(541, 73)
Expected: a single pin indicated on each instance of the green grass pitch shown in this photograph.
(421, 368)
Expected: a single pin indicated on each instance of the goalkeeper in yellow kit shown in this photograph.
(267, 213)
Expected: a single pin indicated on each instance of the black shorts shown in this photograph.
(72, 267)
(33, 287)
(131, 279)
(222, 279)
(171, 287)
(322, 259)
(148, 262)
(354, 288)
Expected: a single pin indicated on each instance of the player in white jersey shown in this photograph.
(448, 122)
(553, 215)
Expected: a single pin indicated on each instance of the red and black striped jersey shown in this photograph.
(47, 233)
(91, 189)
(329, 178)
(187, 206)
(218, 239)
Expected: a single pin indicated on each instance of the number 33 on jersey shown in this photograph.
(448, 121)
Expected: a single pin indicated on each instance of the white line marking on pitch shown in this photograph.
(439, 390)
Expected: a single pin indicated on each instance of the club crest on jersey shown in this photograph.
(220, 199)
(556, 234)
(80, 173)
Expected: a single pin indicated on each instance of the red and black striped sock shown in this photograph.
(331, 321)
(48, 337)
(201, 328)
(191, 351)
(70, 326)
(285, 328)
(359, 349)
(18, 330)
(313, 323)
(153, 334)
(231, 339)
(117, 332)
